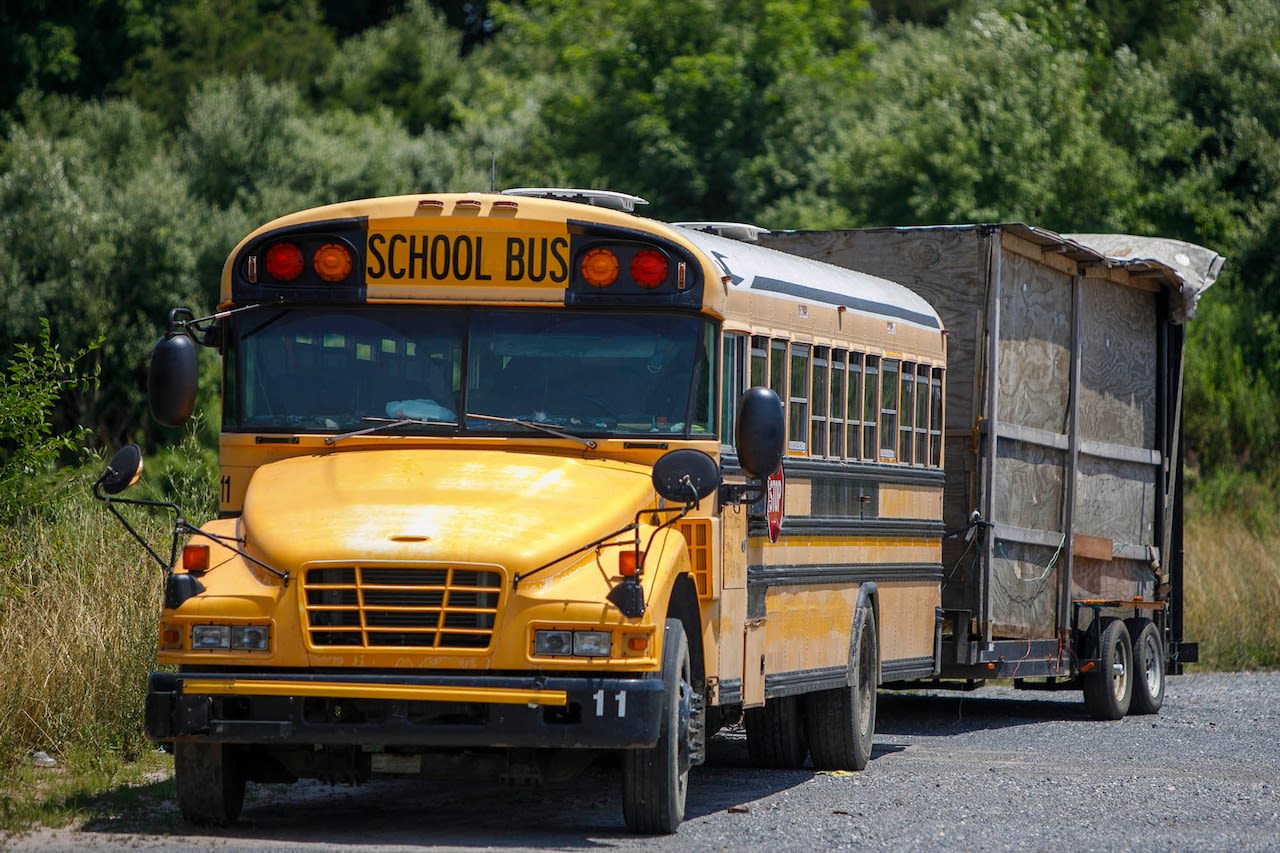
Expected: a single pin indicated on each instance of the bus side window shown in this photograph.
(922, 415)
(759, 360)
(889, 410)
(799, 403)
(838, 400)
(871, 409)
(935, 418)
(778, 368)
(731, 384)
(906, 413)
(819, 399)
(853, 442)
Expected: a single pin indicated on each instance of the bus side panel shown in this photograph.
(907, 618)
(726, 618)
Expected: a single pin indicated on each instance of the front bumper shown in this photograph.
(405, 710)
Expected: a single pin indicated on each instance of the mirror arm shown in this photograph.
(167, 568)
(203, 330)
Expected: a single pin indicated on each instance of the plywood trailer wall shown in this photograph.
(1054, 414)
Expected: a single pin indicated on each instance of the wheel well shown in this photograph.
(870, 593)
(684, 606)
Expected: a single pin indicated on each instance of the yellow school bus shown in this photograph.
(513, 480)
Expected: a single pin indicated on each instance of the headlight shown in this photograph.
(251, 638)
(552, 642)
(210, 636)
(242, 638)
(591, 643)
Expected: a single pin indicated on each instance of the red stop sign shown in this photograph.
(774, 495)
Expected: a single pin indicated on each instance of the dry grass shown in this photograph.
(78, 611)
(1232, 591)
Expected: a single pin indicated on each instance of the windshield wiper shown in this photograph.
(379, 424)
(541, 427)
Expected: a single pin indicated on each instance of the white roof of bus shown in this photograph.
(803, 280)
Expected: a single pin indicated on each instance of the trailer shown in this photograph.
(1063, 561)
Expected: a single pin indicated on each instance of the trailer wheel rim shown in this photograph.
(1152, 666)
(1121, 667)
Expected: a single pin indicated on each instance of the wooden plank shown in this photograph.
(1038, 254)
(1120, 453)
(1092, 547)
(1030, 435)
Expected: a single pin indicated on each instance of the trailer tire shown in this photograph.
(775, 734)
(1149, 666)
(655, 781)
(841, 723)
(1108, 687)
(209, 781)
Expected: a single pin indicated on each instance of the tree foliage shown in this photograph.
(142, 139)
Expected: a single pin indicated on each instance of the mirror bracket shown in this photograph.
(741, 493)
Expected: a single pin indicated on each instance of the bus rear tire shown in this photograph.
(775, 734)
(1108, 687)
(655, 781)
(210, 784)
(841, 723)
(1148, 666)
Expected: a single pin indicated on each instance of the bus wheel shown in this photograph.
(841, 723)
(1108, 687)
(1148, 656)
(775, 733)
(210, 785)
(656, 780)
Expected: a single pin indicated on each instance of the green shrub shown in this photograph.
(30, 388)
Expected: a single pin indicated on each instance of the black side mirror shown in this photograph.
(172, 379)
(123, 470)
(685, 476)
(761, 432)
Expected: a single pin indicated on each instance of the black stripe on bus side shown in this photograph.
(843, 526)
(807, 574)
(906, 669)
(730, 691)
(804, 681)
(884, 309)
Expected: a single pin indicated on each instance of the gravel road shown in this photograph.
(995, 769)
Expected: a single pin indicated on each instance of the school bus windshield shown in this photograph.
(586, 372)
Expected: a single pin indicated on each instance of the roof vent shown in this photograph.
(600, 198)
(732, 230)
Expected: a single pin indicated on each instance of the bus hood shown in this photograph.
(519, 510)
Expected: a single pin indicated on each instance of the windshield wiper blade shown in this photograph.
(541, 427)
(380, 424)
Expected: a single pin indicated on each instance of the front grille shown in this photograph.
(446, 607)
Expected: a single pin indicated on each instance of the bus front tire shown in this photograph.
(655, 781)
(210, 784)
(841, 723)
